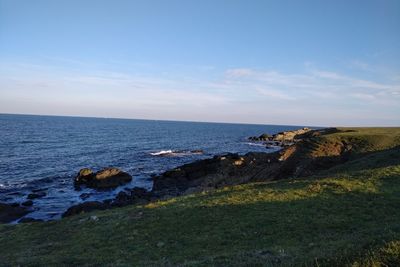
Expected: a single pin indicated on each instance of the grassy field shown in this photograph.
(347, 216)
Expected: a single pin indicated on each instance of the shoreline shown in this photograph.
(343, 185)
(196, 176)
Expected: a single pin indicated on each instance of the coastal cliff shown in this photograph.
(331, 200)
(312, 151)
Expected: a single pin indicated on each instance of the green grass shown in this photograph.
(366, 140)
(348, 215)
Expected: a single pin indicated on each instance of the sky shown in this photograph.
(308, 62)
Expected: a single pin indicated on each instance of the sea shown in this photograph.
(45, 153)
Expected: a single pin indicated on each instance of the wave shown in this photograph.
(162, 153)
(255, 144)
(176, 153)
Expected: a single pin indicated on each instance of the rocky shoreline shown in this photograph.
(198, 176)
(282, 139)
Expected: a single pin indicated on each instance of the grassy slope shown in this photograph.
(347, 215)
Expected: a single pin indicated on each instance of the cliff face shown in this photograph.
(315, 150)
(322, 149)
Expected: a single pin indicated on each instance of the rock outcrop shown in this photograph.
(9, 212)
(135, 195)
(309, 154)
(306, 156)
(282, 138)
(263, 137)
(132, 196)
(86, 207)
(212, 173)
(107, 178)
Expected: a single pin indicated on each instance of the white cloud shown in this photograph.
(313, 97)
(315, 83)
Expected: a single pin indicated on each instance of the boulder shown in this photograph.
(136, 195)
(9, 213)
(107, 178)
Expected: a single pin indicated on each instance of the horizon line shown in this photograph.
(166, 120)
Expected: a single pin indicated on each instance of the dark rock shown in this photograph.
(27, 203)
(263, 137)
(85, 196)
(9, 213)
(135, 195)
(85, 176)
(36, 195)
(107, 201)
(283, 138)
(215, 172)
(29, 220)
(139, 192)
(107, 178)
(39, 190)
(85, 207)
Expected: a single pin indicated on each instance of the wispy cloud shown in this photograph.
(313, 83)
(312, 96)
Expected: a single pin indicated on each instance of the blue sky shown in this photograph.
(304, 62)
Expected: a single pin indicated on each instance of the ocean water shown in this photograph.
(46, 152)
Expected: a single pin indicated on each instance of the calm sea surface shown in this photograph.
(46, 152)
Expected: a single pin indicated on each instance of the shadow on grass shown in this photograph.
(327, 228)
(301, 164)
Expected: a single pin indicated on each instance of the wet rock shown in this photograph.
(139, 192)
(85, 207)
(36, 195)
(27, 203)
(9, 213)
(263, 137)
(135, 195)
(121, 199)
(85, 196)
(107, 178)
